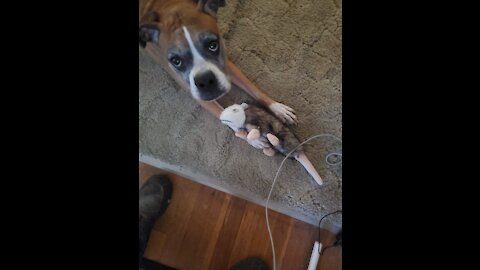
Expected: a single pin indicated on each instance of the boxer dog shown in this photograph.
(183, 37)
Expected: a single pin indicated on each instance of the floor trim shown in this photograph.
(208, 181)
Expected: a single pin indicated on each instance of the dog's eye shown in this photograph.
(235, 110)
(213, 46)
(176, 61)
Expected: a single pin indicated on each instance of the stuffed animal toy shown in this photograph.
(252, 122)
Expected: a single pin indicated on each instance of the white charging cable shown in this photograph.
(278, 172)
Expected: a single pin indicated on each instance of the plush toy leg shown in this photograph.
(253, 134)
(309, 167)
(269, 151)
(273, 139)
(241, 134)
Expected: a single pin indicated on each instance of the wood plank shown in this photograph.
(174, 222)
(282, 231)
(156, 242)
(252, 238)
(299, 246)
(195, 243)
(226, 240)
(207, 229)
(331, 259)
(216, 232)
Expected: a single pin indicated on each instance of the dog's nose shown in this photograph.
(205, 80)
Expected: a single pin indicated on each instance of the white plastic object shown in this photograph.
(317, 248)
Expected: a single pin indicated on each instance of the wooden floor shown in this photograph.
(204, 228)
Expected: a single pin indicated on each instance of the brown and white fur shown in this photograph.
(183, 37)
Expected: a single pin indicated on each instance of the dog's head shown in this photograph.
(186, 36)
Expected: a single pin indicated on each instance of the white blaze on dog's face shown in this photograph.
(234, 116)
(206, 80)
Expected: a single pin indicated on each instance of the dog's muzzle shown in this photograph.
(209, 86)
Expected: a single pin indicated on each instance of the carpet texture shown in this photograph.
(292, 51)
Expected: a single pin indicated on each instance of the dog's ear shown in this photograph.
(149, 30)
(210, 6)
(148, 33)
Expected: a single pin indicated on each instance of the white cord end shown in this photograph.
(317, 247)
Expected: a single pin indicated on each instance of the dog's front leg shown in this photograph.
(283, 112)
(212, 106)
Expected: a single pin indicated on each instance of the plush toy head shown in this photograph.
(234, 116)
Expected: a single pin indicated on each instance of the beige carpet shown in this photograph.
(292, 50)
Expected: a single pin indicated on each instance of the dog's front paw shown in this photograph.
(284, 113)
